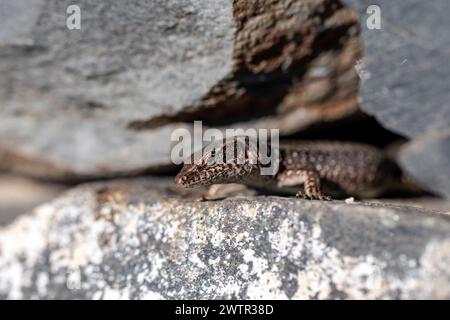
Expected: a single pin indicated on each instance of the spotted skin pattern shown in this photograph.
(319, 169)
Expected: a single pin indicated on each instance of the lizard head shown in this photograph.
(223, 161)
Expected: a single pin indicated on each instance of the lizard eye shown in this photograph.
(213, 153)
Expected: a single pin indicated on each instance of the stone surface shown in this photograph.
(424, 202)
(68, 95)
(405, 74)
(406, 67)
(131, 239)
(427, 160)
(19, 195)
(73, 99)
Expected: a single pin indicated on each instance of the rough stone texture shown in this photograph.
(427, 159)
(130, 240)
(73, 99)
(406, 65)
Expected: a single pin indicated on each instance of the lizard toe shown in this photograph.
(301, 195)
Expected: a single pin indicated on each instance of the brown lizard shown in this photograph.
(323, 168)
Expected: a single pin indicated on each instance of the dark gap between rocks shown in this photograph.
(262, 92)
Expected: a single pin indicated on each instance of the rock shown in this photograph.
(73, 99)
(68, 95)
(132, 239)
(423, 202)
(402, 84)
(405, 65)
(427, 160)
(19, 195)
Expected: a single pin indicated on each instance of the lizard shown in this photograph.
(323, 168)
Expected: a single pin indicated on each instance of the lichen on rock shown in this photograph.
(133, 240)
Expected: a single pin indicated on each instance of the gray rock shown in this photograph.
(427, 160)
(72, 99)
(17, 21)
(131, 240)
(423, 202)
(406, 65)
(68, 95)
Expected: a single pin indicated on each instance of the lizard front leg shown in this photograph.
(310, 180)
(312, 187)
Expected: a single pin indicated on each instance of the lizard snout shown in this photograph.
(182, 179)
